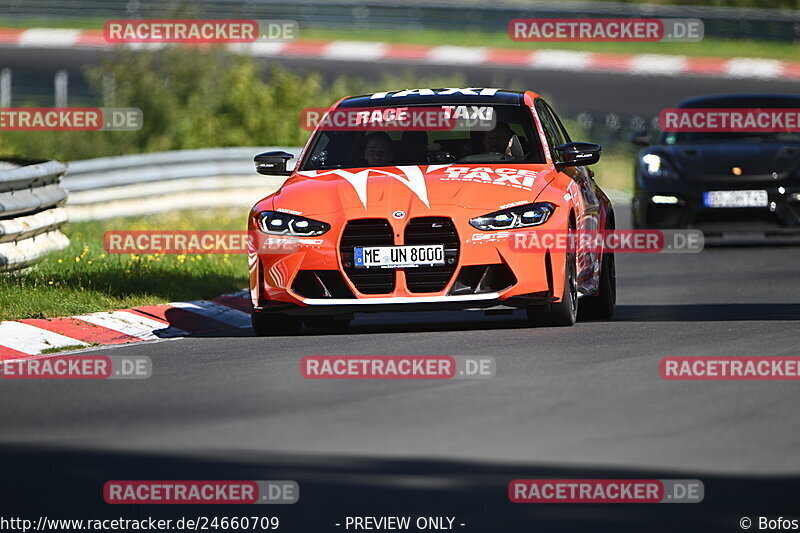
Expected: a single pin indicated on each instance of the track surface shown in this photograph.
(566, 402)
(577, 402)
(586, 395)
(570, 92)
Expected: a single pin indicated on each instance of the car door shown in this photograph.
(582, 189)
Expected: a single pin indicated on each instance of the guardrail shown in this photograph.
(31, 212)
(472, 15)
(132, 185)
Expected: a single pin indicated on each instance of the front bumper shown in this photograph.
(666, 204)
(327, 307)
(488, 271)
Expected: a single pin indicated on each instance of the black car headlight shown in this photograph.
(277, 223)
(656, 166)
(522, 216)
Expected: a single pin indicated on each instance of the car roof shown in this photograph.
(500, 97)
(742, 100)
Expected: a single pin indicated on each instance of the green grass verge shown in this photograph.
(614, 171)
(710, 47)
(84, 279)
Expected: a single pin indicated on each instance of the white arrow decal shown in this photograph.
(411, 177)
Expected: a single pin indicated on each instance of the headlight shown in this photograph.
(285, 224)
(657, 167)
(522, 216)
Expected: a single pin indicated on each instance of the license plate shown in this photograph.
(735, 199)
(399, 256)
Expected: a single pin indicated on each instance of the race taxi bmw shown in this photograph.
(416, 215)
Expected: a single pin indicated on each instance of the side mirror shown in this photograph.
(577, 154)
(641, 138)
(273, 163)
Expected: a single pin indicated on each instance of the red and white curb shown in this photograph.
(31, 336)
(636, 64)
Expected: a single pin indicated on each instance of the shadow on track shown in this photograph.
(69, 484)
(706, 312)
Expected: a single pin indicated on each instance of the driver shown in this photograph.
(378, 150)
(498, 140)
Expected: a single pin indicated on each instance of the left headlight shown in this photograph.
(285, 224)
(522, 216)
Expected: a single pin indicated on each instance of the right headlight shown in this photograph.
(277, 223)
(522, 216)
(655, 166)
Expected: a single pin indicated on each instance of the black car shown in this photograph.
(721, 182)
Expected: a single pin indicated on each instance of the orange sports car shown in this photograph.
(414, 199)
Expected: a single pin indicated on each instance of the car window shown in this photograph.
(557, 121)
(513, 139)
(551, 131)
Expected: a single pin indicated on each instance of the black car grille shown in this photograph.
(321, 284)
(432, 230)
(481, 279)
(367, 232)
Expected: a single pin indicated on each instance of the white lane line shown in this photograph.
(265, 49)
(658, 64)
(560, 60)
(457, 55)
(361, 51)
(32, 340)
(49, 37)
(133, 324)
(218, 312)
(743, 67)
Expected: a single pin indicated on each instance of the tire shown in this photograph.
(327, 322)
(602, 304)
(565, 312)
(274, 324)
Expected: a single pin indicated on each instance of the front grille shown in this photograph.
(367, 232)
(432, 230)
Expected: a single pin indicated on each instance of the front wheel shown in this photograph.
(602, 303)
(274, 324)
(565, 312)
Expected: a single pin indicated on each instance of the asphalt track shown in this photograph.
(570, 92)
(566, 402)
(585, 401)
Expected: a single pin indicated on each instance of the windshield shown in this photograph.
(510, 138)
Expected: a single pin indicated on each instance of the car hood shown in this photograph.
(715, 162)
(412, 189)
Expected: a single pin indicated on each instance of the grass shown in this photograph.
(614, 171)
(69, 347)
(84, 279)
(710, 47)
